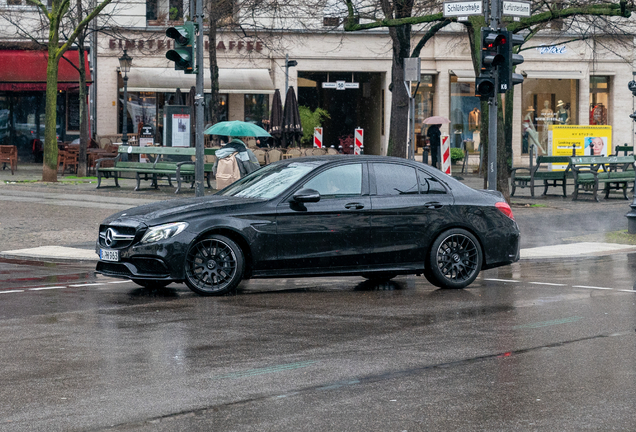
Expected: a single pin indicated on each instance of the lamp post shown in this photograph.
(125, 62)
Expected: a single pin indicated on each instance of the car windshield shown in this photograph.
(269, 181)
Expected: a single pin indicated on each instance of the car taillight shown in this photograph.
(505, 209)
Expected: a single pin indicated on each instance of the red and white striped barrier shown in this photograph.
(318, 137)
(445, 152)
(358, 141)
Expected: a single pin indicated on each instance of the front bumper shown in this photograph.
(164, 260)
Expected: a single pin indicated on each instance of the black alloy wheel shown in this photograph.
(455, 259)
(214, 265)
(152, 284)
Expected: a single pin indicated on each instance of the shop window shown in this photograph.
(223, 110)
(547, 102)
(423, 105)
(256, 108)
(599, 99)
(465, 114)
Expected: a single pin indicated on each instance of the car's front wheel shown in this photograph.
(214, 265)
(455, 259)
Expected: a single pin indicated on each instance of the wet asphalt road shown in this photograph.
(534, 346)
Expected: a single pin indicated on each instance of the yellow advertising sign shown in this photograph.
(587, 140)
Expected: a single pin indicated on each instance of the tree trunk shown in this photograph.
(49, 168)
(81, 168)
(401, 37)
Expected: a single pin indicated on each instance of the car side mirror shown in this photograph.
(307, 195)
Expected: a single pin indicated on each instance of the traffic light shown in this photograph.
(491, 59)
(183, 54)
(491, 56)
(484, 87)
(507, 79)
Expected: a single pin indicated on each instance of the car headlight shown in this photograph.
(162, 232)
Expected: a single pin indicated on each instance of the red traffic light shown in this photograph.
(495, 40)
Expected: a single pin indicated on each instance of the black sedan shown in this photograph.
(368, 216)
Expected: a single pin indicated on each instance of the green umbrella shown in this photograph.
(236, 129)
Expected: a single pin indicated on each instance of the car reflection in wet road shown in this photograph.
(536, 345)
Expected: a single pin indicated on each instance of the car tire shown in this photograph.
(152, 284)
(455, 259)
(380, 277)
(214, 265)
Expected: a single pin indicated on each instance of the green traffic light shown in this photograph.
(184, 47)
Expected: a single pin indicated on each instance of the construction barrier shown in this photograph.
(445, 152)
(358, 141)
(318, 137)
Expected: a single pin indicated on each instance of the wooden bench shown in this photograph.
(526, 177)
(9, 155)
(615, 172)
(168, 162)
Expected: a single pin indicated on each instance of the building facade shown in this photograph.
(348, 75)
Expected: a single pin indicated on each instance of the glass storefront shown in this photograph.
(465, 114)
(423, 105)
(547, 102)
(22, 119)
(146, 109)
(256, 108)
(599, 99)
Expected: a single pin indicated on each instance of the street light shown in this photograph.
(125, 62)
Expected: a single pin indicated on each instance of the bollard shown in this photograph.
(631, 218)
(425, 155)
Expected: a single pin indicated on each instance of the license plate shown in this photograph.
(108, 255)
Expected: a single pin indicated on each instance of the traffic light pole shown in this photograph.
(495, 19)
(199, 102)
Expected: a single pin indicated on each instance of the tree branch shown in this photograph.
(429, 34)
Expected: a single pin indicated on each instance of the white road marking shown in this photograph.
(87, 284)
(46, 288)
(116, 282)
(629, 291)
(592, 287)
(11, 291)
(503, 280)
(547, 283)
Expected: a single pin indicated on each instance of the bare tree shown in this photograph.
(581, 17)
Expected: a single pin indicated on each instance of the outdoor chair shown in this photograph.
(261, 155)
(274, 155)
(9, 155)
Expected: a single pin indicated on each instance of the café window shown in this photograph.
(423, 104)
(256, 108)
(465, 113)
(547, 102)
(599, 99)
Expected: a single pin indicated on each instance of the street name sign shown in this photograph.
(516, 8)
(463, 8)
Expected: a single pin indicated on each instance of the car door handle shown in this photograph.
(433, 205)
(356, 206)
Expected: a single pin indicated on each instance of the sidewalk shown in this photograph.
(25, 186)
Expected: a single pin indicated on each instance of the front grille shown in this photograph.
(116, 237)
(113, 269)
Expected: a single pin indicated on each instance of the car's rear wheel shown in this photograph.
(152, 284)
(214, 265)
(455, 259)
(380, 277)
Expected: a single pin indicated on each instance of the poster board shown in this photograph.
(177, 126)
(586, 140)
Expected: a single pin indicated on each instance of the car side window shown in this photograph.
(342, 180)
(429, 184)
(395, 179)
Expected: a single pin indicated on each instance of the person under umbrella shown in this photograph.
(434, 135)
(276, 119)
(292, 127)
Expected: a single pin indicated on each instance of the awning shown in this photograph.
(142, 79)
(463, 75)
(553, 74)
(22, 70)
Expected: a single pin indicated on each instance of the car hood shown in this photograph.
(178, 210)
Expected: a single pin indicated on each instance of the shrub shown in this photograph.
(310, 120)
(456, 154)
